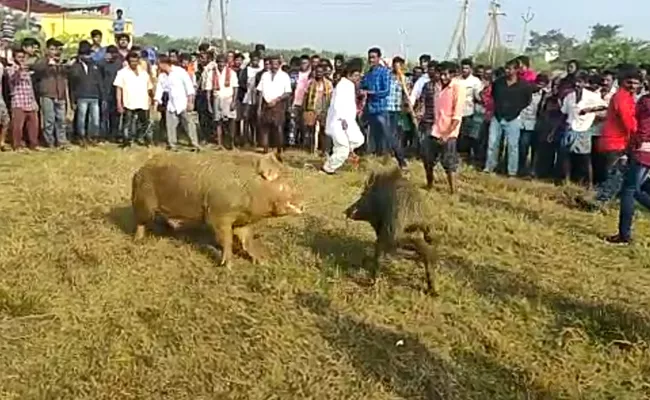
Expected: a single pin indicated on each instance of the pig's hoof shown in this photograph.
(431, 292)
(256, 260)
(139, 233)
(225, 263)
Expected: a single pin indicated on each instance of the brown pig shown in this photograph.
(187, 190)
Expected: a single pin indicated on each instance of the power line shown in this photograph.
(224, 38)
(492, 34)
(527, 18)
(459, 37)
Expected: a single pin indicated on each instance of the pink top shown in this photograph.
(528, 76)
(449, 107)
(301, 88)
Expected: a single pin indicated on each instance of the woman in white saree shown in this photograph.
(341, 123)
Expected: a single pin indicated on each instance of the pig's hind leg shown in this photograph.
(428, 255)
(223, 234)
(144, 209)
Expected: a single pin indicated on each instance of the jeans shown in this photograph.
(88, 108)
(512, 130)
(635, 177)
(188, 121)
(611, 186)
(54, 121)
(527, 142)
(136, 126)
(380, 131)
(109, 120)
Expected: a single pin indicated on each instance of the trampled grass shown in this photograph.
(533, 304)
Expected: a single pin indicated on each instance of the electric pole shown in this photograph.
(208, 29)
(492, 34)
(527, 18)
(224, 38)
(459, 37)
(402, 43)
(28, 13)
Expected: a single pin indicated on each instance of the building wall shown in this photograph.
(54, 25)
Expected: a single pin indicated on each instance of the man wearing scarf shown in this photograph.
(222, 86)
(316, 102)
(274, 89)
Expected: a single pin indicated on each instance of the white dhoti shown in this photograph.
(343, 143)
(343, 107)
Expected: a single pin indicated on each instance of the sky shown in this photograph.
(353, 26)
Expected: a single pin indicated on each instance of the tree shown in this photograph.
(165, 43)
(604, 32)
(552, 40)
(501, 55)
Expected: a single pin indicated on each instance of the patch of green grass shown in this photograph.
(533, 304)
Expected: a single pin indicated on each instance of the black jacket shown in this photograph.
(85, 83)
(109, 72)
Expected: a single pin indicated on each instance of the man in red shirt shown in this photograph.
(619, 124)
(526, 73)
(636, 174)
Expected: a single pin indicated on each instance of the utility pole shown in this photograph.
(492, 34)
(527, 18)
(402, 43)
(459, 37)
(208, 29)
(28, 13)
(224, 38)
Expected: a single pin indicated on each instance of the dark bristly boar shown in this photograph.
(397, 211)
(187, 190)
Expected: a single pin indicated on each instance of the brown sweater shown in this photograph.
(51, 80)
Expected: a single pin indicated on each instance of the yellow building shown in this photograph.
(75, 23)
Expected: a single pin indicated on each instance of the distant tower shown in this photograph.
(491, 41)
(527, 18)
(459, 37)
(208, 28)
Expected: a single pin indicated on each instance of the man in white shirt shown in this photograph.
(221, 83)
(275, 90)
(180, 106)
(418, 87)
(469, 131)
(528, 139)
(250, 96)
(133, 90)
(580, 106)
(341, 123)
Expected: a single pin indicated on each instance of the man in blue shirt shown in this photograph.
(119, 24)
(376, 85)
(98, 52)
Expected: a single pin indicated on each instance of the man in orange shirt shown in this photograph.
(439, 144)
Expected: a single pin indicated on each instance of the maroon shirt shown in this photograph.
(640, 140)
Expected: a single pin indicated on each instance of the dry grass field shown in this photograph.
(533, 304)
